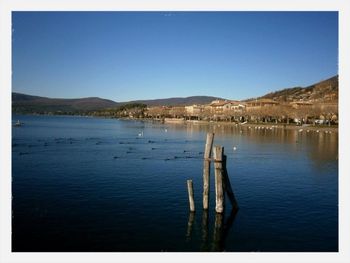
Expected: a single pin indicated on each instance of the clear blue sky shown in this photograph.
(146, 55)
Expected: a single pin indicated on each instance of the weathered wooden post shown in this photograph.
(190, 195)
(206, 169)
(227, 185)
(219, 189)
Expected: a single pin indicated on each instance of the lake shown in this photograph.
(91, 184)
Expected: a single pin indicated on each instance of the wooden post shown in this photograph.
(219, 190)
(190, 195)
(227, 185)
(206, 169)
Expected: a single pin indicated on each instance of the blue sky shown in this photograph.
(147, 55)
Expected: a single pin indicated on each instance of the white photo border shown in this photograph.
(6, 9)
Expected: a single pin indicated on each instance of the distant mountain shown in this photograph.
(323, 91)
(22, 103)
(177, 101)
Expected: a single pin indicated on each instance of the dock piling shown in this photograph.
(206, 169)
(190, 195)
(219, 189)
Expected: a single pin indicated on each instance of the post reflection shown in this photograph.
(217, 244)
(321, 146)
(190, 226)
(221, 229)
(205, 231)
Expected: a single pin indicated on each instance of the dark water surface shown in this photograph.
(89, 184)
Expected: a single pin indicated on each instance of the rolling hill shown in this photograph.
(323, 91)
(22, 103)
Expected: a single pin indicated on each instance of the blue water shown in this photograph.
(91, 184)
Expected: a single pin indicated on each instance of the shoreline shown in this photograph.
(243, 125)
(270, 125)
(197, 122)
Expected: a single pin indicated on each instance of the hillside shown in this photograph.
(323, 91)
(22, 103)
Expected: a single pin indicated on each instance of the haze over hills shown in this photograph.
(323, 91)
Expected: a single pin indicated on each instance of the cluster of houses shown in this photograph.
(222, 107)
(235, 110)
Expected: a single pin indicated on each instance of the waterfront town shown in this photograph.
(253, 111)
(316, 104)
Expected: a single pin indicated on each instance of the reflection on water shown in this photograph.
(218, 232)
(190, 225)
(322, 144)
(221, 229)
(205, 230)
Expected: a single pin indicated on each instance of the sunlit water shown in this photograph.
(90, 184)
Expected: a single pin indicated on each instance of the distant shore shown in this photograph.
(201, 122)
(252, 125)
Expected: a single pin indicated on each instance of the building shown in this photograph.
(194, 110)
(260, 103)
(218, 106)
(237, 106)
(224, 106)
(298, 104)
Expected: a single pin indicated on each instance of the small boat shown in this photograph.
(18, 123)
(174, 120)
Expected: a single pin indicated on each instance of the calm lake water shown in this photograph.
(90, 184)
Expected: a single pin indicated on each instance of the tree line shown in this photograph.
(315, 114)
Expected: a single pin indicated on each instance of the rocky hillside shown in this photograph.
(323, 91)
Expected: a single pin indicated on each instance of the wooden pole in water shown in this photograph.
(219, 189)
(206, 169)
(190, 195)
(227, 185)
